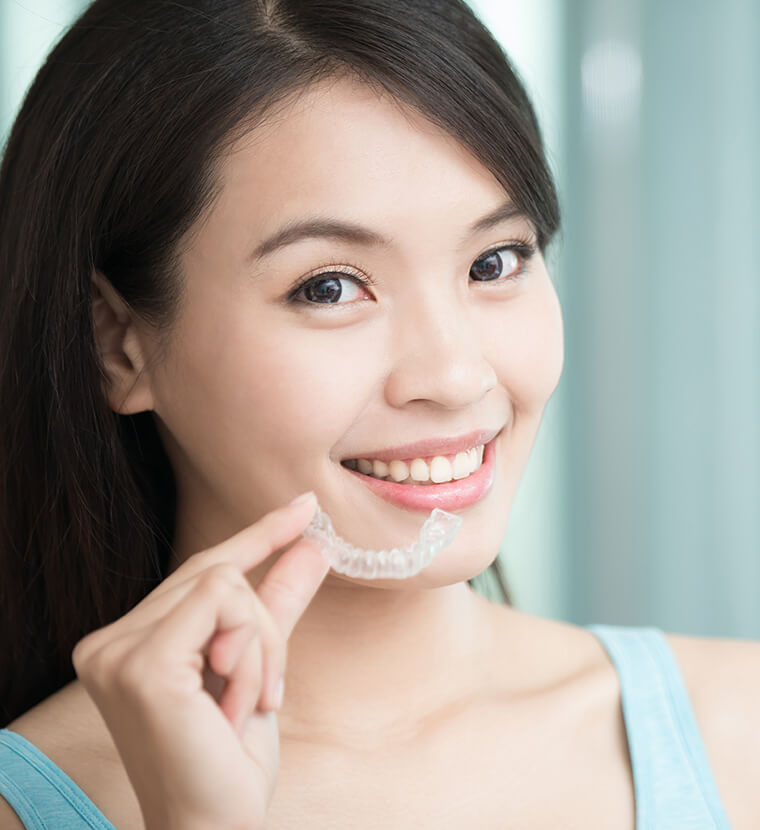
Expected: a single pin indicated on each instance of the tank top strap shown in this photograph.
(673, 781)
(40, 792)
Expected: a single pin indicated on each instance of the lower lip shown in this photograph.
(454, 495)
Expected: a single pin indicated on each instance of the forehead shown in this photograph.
(342, 144)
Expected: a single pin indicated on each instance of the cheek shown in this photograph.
(295, 391)
(528, 349)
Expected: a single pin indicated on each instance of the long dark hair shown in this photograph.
(110, 161)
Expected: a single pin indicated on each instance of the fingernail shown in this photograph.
(303, 497)
(279, 693)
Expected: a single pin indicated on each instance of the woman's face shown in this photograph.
(263, 394)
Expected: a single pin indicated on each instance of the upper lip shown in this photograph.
(433, 446)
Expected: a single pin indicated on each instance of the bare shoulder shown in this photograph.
(55, 726)
(68, 729)
(723, 680)
(39, 728)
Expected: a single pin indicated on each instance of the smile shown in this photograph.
(426, 471)
(448, 482)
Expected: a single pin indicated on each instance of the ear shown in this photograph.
(121, 350)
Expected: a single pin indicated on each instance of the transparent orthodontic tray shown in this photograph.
(438, 531)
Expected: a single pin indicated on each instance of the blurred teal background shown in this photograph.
(639, 505)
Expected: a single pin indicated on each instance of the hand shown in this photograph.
(197, 758)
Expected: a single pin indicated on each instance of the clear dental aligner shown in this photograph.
(437, 531)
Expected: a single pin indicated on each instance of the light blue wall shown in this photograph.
(662, 204)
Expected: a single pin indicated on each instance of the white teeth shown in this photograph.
(440, 469)
(379, 469)
(398, 470)
(418, 471)
(462, 466)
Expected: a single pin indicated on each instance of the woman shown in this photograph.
(255, 249)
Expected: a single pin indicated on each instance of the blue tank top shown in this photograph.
(673, 783)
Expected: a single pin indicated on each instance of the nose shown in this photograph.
(438, 356)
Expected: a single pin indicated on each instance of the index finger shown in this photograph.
(291, 583)
(252, 545)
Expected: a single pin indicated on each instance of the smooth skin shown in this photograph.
(407, 704)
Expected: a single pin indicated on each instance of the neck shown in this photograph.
(367, 666)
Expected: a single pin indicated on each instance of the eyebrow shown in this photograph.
(323, 228)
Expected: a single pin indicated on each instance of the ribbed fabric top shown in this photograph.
(40, 792)
(673, 782)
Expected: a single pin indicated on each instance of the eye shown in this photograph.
(505, 263)
(328, 288)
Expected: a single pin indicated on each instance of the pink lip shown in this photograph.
(454, 495)
(433, 446)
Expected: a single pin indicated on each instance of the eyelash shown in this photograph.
(524, 249)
